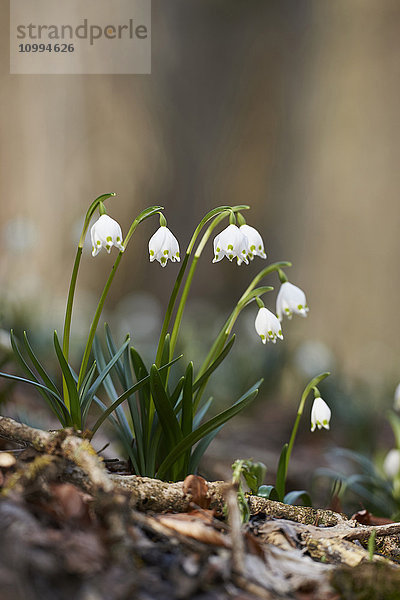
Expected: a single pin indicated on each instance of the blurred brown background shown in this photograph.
(290, 106)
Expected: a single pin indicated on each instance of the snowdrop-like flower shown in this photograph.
(232, 243)
(163, 245)
(391, 464)
(256, 244)
(268, 326)
(291, 299)
(320, 414)
(105, 233)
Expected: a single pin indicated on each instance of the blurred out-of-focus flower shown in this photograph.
(255, 241)
(396, 401)
(320, 414)
(163, 245)
(232, 243)
(268, 326)
(391, 464)
(105, 233)
(291, 299)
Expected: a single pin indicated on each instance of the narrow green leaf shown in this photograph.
(187, 401)
(200, 449)
(70, 383)
(176, 394)
(37, 385)
(166, 415)
(126, 395)
(296, 495)
(110, 389)
(112, 349)
(52, 398)
(207, 427)
(39, 368)
(165, 357)
(281, 473)
(201, 413)
(206, 375)
(86, 401)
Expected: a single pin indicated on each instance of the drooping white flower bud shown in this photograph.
(320, 414)
(291, 299)
(105, 233)
(268, 326)
(232, 243)
(256, 244)
(163, 245)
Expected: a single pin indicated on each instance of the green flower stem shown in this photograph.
(188, 282)
(143, 215)
(311, 385)
(229, 323)
(72, 285)
(210, 215)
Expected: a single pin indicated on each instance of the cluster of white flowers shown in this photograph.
(242, 243)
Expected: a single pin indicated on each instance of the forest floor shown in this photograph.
(75, 526)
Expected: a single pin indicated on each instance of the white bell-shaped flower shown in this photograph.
(391, 464)
(320, 414)
(105, 233)
(256, 244)
(232, 243)
(268, 326)
(291, 299)
(163, 245)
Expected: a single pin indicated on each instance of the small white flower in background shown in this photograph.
(105, 233)
(268, 326)
(396, 401)
(163, 245)
(291, 299)
(232, 243)
(391, 464)
(256, 244)
(320, 414)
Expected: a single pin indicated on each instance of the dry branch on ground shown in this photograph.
(282, 552)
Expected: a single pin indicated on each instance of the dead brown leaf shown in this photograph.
(194, 527)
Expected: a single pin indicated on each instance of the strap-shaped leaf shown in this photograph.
(87, 399)
(70, 383)
(187, 402)
(144, 394)
(201, 447)
(126, 395)
(207, 427)
(206, 375)
(37, 385)
(109, 386)
(176, 394)
(39, 367)
(86, 383)
(281, 473)
(112, 349)
(166, 414)
(296, 495)
(53, 399)
(201, 413)
(165, 357)
(126, 440)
